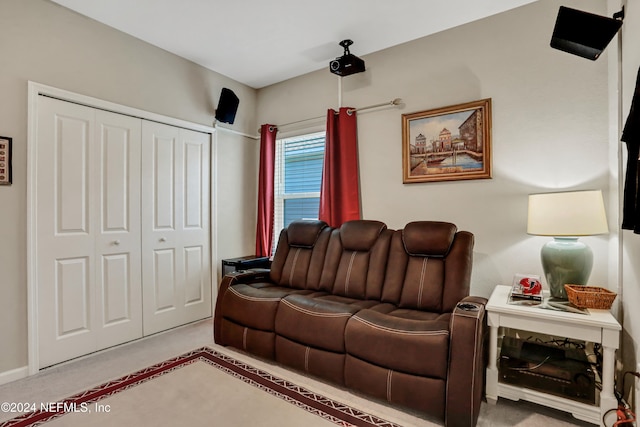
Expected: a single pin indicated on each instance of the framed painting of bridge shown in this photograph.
(447, 144)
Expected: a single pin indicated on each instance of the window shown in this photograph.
(297, 178)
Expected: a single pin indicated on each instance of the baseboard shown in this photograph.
(14, 375)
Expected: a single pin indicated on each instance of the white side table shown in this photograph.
(598, 327)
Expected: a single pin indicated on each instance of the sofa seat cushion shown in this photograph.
(408, 313)
(409, 345)
(354, 302)
(254, 307)
(313, 321)
(260, 285)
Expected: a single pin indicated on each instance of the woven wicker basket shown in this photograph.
(590, 296)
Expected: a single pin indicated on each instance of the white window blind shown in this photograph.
(297, 179)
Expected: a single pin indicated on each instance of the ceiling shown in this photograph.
(258, 42)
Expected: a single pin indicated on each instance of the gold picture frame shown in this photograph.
(447, 144)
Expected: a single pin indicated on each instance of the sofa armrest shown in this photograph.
(245, 276)
(230, 279)
(465, 379)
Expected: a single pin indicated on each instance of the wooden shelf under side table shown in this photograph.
(598, 327)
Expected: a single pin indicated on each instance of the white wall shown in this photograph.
(550, 130)
(46, 43)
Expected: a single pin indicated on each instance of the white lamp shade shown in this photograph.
(574, 213)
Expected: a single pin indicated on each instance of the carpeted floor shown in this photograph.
(199, 395)
(195, 389)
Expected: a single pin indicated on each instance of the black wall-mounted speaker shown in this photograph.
(582, 33)
(227, 106)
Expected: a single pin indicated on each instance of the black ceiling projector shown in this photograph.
(346, 64)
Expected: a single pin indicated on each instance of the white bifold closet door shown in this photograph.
(88, 230)
(176, 263)
(122, 224)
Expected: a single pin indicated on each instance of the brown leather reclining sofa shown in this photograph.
(386, 313)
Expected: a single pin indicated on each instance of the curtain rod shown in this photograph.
(394, 102)
(237, 132)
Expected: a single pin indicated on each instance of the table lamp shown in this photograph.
(566, 216)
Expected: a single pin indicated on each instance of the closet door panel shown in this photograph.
(72, 289)
(195, 236)
(116, 178)
(175, 236)
(194, 159)
(65, 256)
(164, 279)
(71, 170)
(160, 266)
(116, 285)
(119, 275)
(194, 266)
(164, 192)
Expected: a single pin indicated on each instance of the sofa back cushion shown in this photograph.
(429, 266)
(300, 253)
(356, 260)
(428, 238)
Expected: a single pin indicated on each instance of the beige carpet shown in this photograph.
(193, 395)
(197, 389)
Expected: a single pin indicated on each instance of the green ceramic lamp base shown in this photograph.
(565, 260)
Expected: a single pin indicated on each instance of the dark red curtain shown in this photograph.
(264, 230)
(340, 189)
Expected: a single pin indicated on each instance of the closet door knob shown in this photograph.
(163, 239)
(116, 242)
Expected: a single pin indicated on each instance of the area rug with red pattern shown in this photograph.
(185, 390)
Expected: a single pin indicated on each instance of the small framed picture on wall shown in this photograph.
(5, 160)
